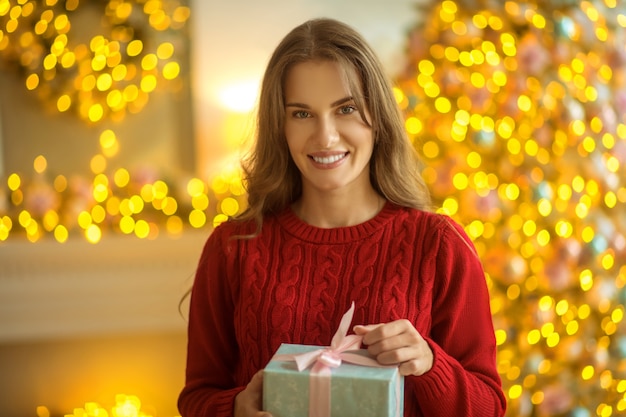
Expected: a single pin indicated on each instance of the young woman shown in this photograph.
(337, 212)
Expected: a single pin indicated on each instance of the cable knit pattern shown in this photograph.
(293, 282)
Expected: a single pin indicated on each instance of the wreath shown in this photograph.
(100, 59)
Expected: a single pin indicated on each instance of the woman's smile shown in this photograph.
(329, 161)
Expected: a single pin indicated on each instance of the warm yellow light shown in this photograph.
(32, 81)
(229, 206)
(219, 219)
(64, 103)
(443, 105)
(474, 160)
(123, 10)
(524, 103)
(174, 225)
(121, 177)
(512, 191)
(610, 199)
(170, 206)
(239, 97)
(95, 113)
(100, 193)
(432, 90)
(572, 328)
(460, 181)
(607, 261)
(586, 280)
(495, 22)
(612, 163)
(134, 47)
(426, 67)
(171, 70)
(200, 202)
(450, 206)
(98, 164)
(98, 63)
(104, 82)
(543, 238)
(5, 227)
(451, 54)
(500, 337)
(531, 147)
(587, 372)
(136, 204)
(553, 340)
(413, 125)
(515, 391)
(119, 72)
(149, 62)
(148, 83)
(127, 224)
(84, 219)
(539, 21)
(142, 229)
(60, 183)
(197, 218)
(195, 187)
(40, 164)
(465, 58)
(459, 28)
(107, 139)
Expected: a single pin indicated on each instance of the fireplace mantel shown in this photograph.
(122, 284)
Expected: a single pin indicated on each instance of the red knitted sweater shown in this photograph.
(293, 282)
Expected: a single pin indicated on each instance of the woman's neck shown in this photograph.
(337, 209)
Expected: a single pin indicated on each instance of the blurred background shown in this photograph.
(122, 124)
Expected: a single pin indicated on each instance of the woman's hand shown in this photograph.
(398, 343)
(248, 403)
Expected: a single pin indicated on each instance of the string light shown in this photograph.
(125, 406)
(102, 78)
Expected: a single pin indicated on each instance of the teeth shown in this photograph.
(328, 159)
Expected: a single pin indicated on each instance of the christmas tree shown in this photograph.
(519, 112)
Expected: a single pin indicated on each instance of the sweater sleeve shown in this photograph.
(212, 352)
(463, 380)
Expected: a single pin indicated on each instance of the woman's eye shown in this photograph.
(347, 109)
(300, 114)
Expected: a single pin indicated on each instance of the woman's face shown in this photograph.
(328, 139)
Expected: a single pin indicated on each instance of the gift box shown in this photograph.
(355, 389)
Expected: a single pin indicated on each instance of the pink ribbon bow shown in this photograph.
(324, 359)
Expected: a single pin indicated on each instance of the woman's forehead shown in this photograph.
(346, 72)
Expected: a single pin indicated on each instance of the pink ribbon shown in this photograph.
(324, 359)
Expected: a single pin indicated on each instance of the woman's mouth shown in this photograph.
(329, 159)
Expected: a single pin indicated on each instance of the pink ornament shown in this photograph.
(39, 197)
(557, 400)
(532, 56)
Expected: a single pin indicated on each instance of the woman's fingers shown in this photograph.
(398, 342)
(249, 402)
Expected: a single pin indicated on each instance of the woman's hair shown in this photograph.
(271, 177)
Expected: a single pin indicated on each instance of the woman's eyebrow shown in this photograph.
(333, 104)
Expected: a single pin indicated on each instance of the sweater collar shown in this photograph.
(337, 235)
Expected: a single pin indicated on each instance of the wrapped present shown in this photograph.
(340, 380)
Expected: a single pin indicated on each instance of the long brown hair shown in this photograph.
(271, 178)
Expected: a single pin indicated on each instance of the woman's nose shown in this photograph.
(326, 133)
